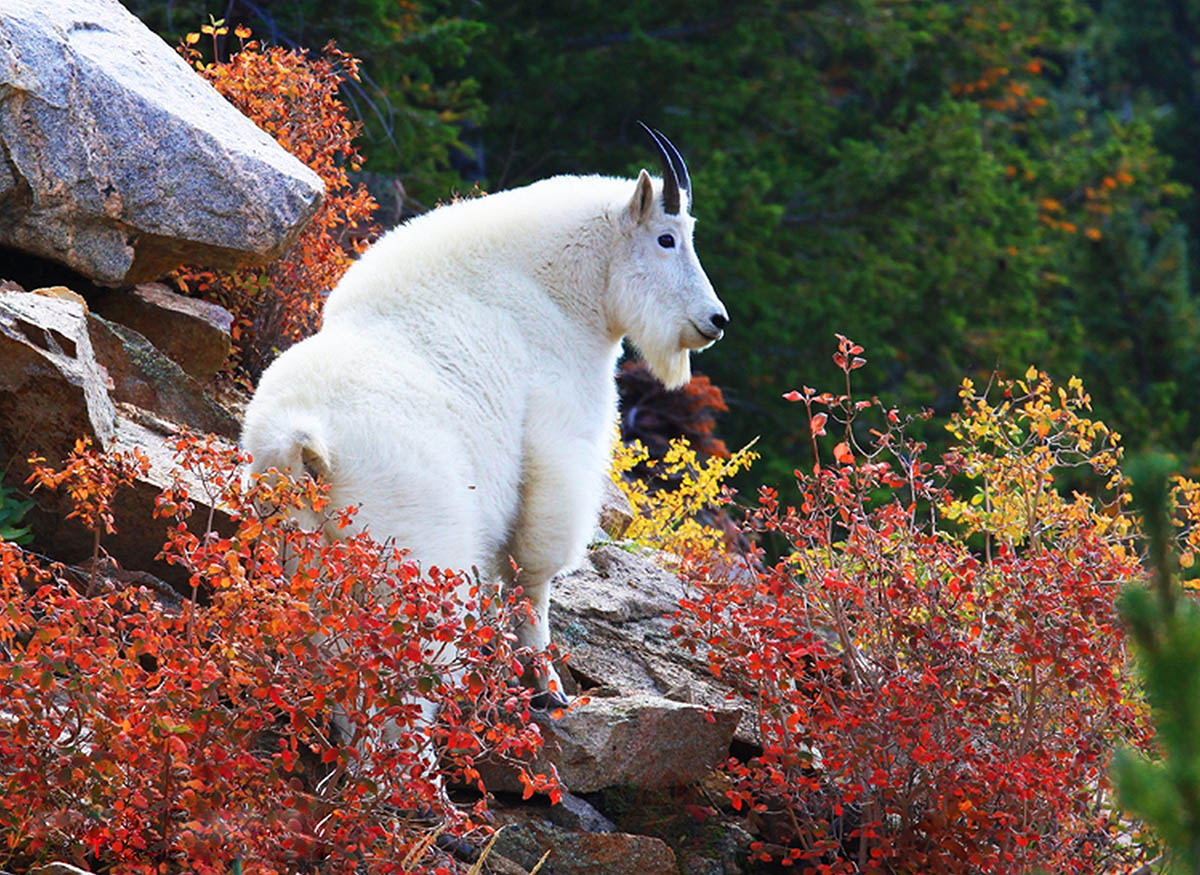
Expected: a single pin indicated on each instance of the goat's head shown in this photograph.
(662, 299)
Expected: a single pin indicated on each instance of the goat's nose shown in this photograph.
(719, 321)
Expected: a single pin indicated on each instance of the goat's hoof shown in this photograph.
(548, 700)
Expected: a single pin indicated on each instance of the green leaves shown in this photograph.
(12, 516)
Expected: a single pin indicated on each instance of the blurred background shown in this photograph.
(962, 188)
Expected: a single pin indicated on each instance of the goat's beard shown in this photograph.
(671, 365)
(657, 335)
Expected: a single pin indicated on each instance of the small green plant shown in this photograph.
(12, 516)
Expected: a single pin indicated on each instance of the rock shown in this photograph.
(616, 513)
(726, 846)
(169, 599)
(614, 617)
(142, 376)
(494, 864)
(52, 392)
(704, 839)
(10, 286)
(139, 535)
(194, 333)
(58, 868)
(647, 723)
(525, 839)
(119, 161)
(575, 813)
(637, 740)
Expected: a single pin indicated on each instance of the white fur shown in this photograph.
(460, 390)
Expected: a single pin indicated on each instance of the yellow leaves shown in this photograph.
(1017, 447)
(678, 487)
(1185, 497)
(215, 27)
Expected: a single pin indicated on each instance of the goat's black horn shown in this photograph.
(671, 179)
(681, 173)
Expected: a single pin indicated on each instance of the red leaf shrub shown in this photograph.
(933, 696)
(270, 719)
(293, 96)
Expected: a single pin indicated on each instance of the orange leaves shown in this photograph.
(842, 454)
(1096, 205)
(91, 479)
(294, 97)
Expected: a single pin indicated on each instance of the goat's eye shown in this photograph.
(666, 241)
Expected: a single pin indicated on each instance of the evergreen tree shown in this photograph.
(1165, 624)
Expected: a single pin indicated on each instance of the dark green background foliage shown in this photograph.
(845, 182)
(921, 176)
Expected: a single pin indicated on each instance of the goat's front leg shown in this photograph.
(558, 516)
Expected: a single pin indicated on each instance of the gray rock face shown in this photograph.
(637, 741)
(52, 391)
(119, 161)
(575, 813)
(616, 513)
(655, 717)
(613, 616)
(142, 376)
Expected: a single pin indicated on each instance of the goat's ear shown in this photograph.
(643, 198)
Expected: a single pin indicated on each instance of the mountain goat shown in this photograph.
(461, 388)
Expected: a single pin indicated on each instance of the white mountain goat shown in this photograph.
(461, 388)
